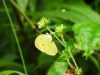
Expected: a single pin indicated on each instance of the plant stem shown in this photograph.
(16, 38)
(63, 39)
(69, 53)
(72, 58)
(64, 44)
(55, 36)
(25, 16)
(70, 64)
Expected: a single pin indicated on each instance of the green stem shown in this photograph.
(69, 51)
(64, 44)
(25, 16)
(16, 38)
(55, 36)
(63, 39)
(70, 64)
(72, 58)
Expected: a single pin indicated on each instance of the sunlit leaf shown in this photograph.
(87, 36)
(58, 68)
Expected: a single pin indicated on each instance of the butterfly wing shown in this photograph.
(38, 42)
(45, 44)
(52, 49)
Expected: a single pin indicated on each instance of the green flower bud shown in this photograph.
(60, 29)
(43, 22)
(78, 71)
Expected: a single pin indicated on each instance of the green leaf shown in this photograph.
(84, 10)
(69, 45)
(95, 61)
(45, 63)
(75, 12)
(8, 72)
(7, 37)
(64, 56)
(11, 65)
(8, 61)
(87, 35)
(58, 68)
(32, 4)
(22, 4)
(68, 15)
(9, 57)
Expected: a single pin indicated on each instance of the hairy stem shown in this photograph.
(55, 36)
(73, 58)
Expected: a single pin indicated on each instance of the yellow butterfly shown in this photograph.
(44, 43)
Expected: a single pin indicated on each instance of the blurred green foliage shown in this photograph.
(82, 17)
